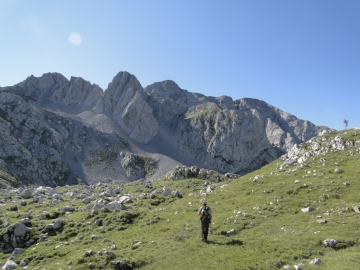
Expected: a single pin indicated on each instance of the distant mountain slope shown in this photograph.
(56, 131)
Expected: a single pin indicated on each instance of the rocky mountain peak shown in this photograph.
(55, 130)
(167, 99)
(50, 78)
(123, 88)
(225, 102)
(125, 100)
(41, 88)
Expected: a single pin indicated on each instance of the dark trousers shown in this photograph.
(205, 228)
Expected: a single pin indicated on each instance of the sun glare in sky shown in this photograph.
(75, 39)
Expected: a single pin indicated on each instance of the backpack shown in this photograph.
(205, 212)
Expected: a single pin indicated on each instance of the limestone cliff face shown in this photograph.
(125, 99)
(78, 92)
(54, 90)
(43, 141)
(31, 145)
(225, 140)
(226, 135)
(58, 131)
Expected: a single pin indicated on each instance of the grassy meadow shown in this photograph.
(263, 207)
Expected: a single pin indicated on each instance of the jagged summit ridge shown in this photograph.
(123, 96)
(75, 119)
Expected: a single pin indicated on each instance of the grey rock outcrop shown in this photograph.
(51, 228)
(120, 265)
(194, 172)
(166, 191)
(9, 265)
(316, 147)
(177, 194)
(315, 261)
(27, 194)
(330, 242)
(134, 165)
(16, 236)
(307, 209)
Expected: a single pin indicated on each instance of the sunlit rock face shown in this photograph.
(56, 131)
(125, 99)
(226, 135)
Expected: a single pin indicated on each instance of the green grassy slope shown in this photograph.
(7, 180)
(271, 230)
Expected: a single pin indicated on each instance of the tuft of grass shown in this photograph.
(150, 165)
(203, 111)
(8, 180)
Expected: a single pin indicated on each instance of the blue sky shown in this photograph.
(302, 57)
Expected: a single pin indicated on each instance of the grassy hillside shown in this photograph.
(264, 208)
(7, 180)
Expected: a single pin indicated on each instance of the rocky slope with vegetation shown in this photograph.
(55, 131)
(299, 212)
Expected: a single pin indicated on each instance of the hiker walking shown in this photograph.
(205, 218)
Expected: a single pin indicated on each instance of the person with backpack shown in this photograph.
(205, 218)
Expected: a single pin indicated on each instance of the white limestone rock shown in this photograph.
(133, 165)
(126, 99)
(307, 209)
(330, 242)
(315, 261)
(27, 194)
(16, 236)
(166, 191)
(9, 265)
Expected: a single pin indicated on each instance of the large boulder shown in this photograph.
(27, 193)
(16, 236)
(9, 265)
(134, 165)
